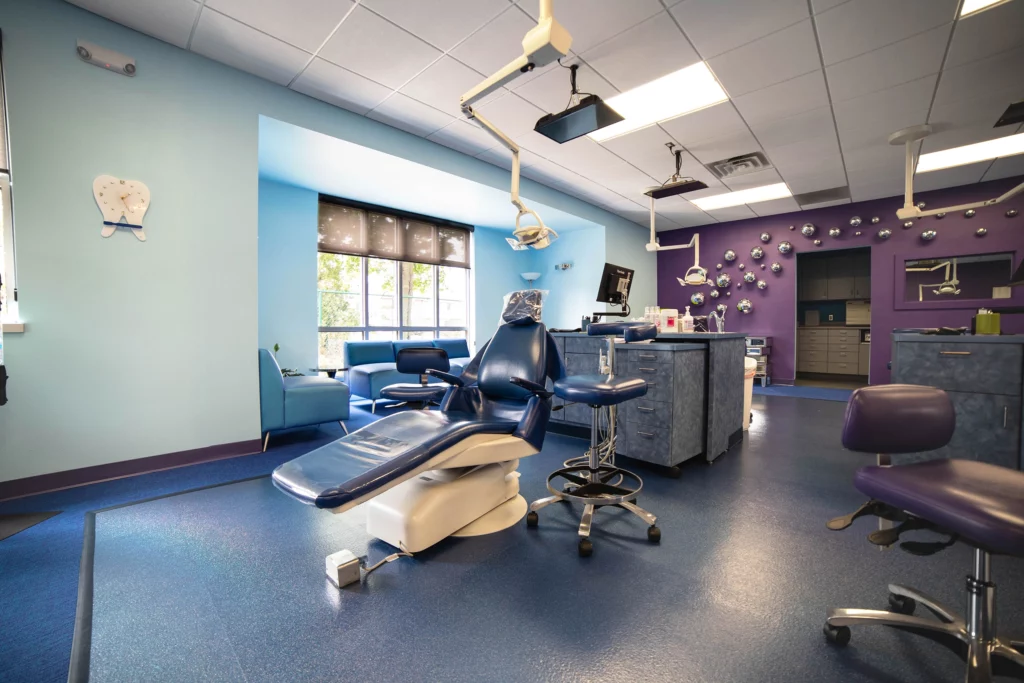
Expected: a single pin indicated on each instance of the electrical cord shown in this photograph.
(575, 93)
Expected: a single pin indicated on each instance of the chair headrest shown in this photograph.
(898, 418)
(523, 307)
(417, 360)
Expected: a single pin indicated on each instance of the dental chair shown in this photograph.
(594, 481)
(429, 474)
(975, 503)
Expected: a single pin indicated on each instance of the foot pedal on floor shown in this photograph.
(874, 508)
(344, 568)
(887, 537)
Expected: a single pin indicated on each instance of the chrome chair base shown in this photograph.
(974, 640)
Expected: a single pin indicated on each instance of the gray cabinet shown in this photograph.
(984, 381)
(861, 275)
(840, 278)
(834, 277)
(864, 359)
(813, 278)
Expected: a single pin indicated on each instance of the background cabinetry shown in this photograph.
(834, 277)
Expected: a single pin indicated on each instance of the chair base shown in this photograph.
(974, 640)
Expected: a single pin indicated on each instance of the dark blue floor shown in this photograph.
(227, 583)
(819, 393)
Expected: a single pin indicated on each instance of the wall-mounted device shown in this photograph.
(107, 59)
(614, 289)
(563, 266)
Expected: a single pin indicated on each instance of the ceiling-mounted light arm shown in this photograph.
(907, 137)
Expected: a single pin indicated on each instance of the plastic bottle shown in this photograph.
(687, 320)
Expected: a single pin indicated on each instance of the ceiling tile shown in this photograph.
(443, 83)
(592, 22)
(733, 213)
(511, 114)
(810, 165)
(710, 123)
(708, 151)
(950, 177)
(819, 6)
(760, 178)
(816, 123)
(500, 156)
(870, 119)
(167, 20)
(225, 40)
(965, 122)
(853, 28)
(306, 24)
(645, 52)
(681, 211)
(645, 149)
(498, 43)
(464, 137)
(410, 115)
(337, 86)
(981, 78)
(986, 34)
(775, 206)
(823, 205)
(358, 45)
(775, 58)
(1007, 167)
(717, 26)
(550, 91)
(442, 23)
(784, 99)
(885, 67)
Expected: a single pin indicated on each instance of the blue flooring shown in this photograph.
(818, 393)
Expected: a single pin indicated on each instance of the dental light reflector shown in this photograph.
(677, 184)
(678, 93)
(969, 154)
(972, 6)
(589, 115)
(752, 196)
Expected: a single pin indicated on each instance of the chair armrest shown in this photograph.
(532, 387)
(447, 378)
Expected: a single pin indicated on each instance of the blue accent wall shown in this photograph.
(496, 269)
(287, 273)
(572, 292)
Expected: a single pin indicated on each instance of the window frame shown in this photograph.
(9, 267)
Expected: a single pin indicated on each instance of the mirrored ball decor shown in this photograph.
(776, 267)
(929, 235)
(807, 230)
(858, 233)
(728, 293)
(741, 267)
(749, 276)
(729, 255)
(785, 247)
(875, 220)
(718, 266)
(940, 216)
(761, 284)
(834, 232)
(766, 237)
(817, 243)
(756, 253)
(721, 308)
(697, 298)
(792, 227)
(744, 306)
(884, 234)
(763, 266)
(714, 294)
(908, 224)
(1010, 213)
(855, 221)
(723, 280)
(921, 205)
(970, 213)
(981, 232)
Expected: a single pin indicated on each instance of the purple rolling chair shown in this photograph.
(976, 503)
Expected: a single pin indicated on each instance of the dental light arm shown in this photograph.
(695, 275)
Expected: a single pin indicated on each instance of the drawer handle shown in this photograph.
(642, 409)
(1006, 411)
(646, 435)
(647, 357)
(647, 369)
(652, 384)
(954, 353)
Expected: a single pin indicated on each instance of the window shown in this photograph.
(383, 276)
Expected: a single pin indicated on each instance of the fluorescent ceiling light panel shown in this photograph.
(969, 154)
(751, 196)
(678, 93)
(972, 6)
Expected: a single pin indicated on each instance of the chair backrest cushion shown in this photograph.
(271, 392)
(898, 418)
(412, 344)
(514, 351)
(416, 361)
(456, 348)
(363, 352)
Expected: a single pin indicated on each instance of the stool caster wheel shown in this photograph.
(901, 604)
(532, 519)
(654, 534)
(838, 635)
(586, 548)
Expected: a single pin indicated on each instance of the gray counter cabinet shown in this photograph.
(984, 377)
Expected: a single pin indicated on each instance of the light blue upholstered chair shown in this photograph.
(287, 402)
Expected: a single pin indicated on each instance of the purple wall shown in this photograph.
(775, 307)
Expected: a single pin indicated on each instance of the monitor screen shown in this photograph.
(615, 282)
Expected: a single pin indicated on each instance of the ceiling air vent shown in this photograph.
(812, 199)
(737, 166)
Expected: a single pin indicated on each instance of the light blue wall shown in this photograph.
(496, 269)
(133, 349)
(624, 246)
(571, 293)
(287, 273)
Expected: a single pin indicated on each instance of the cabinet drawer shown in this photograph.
(812, 335)
(847, 347)
(812, 366)
(658, 377)
(843, 367)
(804, 356)
(648, 413)
(585, 344)
(835, 356)
(812, 346)
(650, 444)
(581, 363)
(852, 336)
(978, 368)
(638, 354)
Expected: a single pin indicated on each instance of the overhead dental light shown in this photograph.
(968, 154)
(546, 42)
(678, 184)
(581, 117)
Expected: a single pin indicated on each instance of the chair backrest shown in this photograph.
(515, 350)
(364, 352)
(417, 360)
(456, 348)
(412, 344)
(898, 418)
(271, 392)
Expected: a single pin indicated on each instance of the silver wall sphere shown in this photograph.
(776, 267)
(718, 266)
(981, 232)
(884, 234)
(929, 235)
(940, 216)
(729, 255)
(749, 276)
(723, 280)
(807, 230)
(714, 294)
(875, 220)
(921, 205)
(721, 308)
(741, 267)
(744, 306)
(1010, 213)
(908, 224)
(855, 221)
(785, 247)
(728, 293)
(761, 284)
(756, 253)
(858, 233)
(817, 243)
(763, 266)
(765, 237)
(834, 232)
(792, 227)
(697, 298)
(970, 213)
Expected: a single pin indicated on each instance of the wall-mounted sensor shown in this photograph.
(107, 59)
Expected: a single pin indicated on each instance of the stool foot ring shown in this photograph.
(590, 489)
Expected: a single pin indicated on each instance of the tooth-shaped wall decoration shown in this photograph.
(123, 203)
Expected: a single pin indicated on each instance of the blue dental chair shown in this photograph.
(427, 475)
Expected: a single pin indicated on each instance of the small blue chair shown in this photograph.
(287, 402)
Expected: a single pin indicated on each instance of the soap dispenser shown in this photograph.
(687, 321)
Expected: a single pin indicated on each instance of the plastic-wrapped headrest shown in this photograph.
(523, 307)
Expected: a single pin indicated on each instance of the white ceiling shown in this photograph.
(817, 85)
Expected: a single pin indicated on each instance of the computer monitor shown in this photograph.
(615, 283)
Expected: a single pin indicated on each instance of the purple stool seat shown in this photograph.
(982, 503)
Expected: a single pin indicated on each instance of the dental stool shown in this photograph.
(596, 481)
(976, 503)
(418, 361)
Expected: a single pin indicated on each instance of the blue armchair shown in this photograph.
(287, 402)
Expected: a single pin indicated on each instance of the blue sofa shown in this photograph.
(287, 402)
(371, 364)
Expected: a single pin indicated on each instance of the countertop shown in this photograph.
(959, 338)
(672, 338)
(834, 326)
